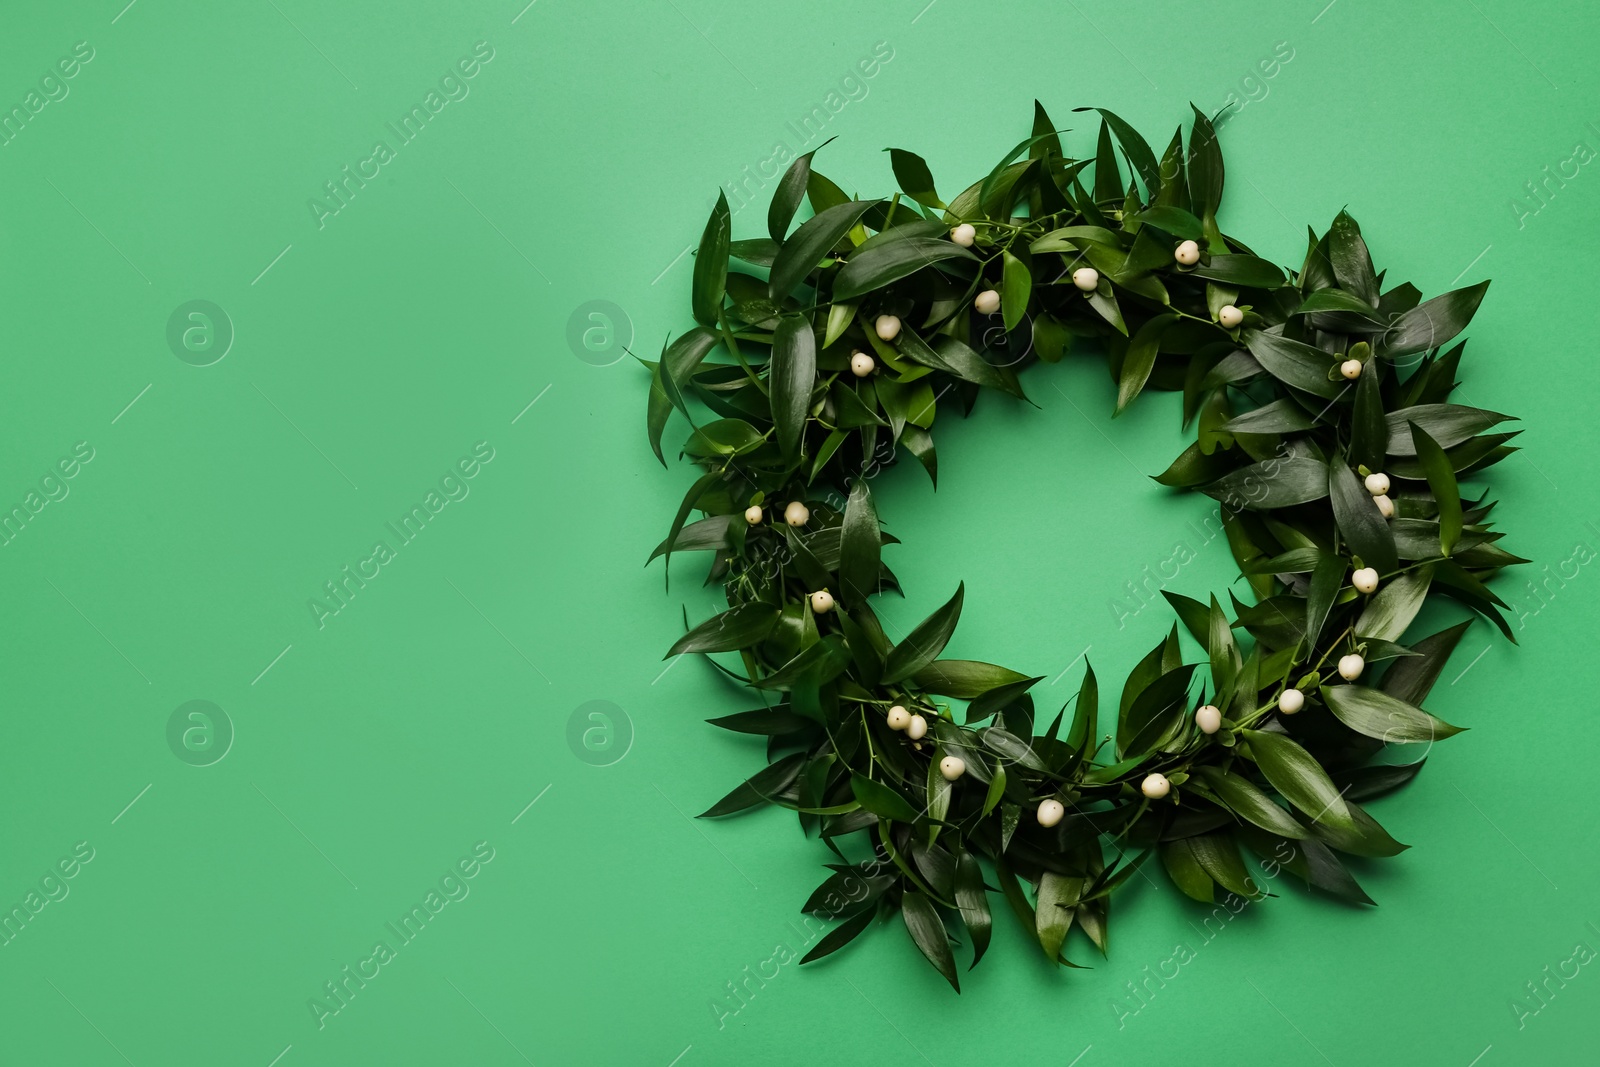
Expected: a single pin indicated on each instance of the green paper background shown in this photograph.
(372, 753)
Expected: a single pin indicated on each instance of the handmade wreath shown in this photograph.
(1324, 429)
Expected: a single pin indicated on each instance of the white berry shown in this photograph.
(952, 767)
(1351, 666)
(796, 514)
(1351, 368)
(899, 718)
(1188, 254)
(888, 327)
(917, 728)
(821, 602)
(1086, 278)
(1291, 701)
(1365, 580)
(752, 514)
(1050, 812)
(964, 235)
(1229, 316)
(861, 364)
(988, 302)
(1385, 505)
(1209, 718)
(1156, 786)
(1377, 484)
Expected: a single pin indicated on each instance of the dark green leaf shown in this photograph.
(875, 267)
(881, 800)
(793, 372)
(711, 264)
(1296, 774)
(1442, 480)
(1433, 323)
(814, 239)
(1364, 528)
(860, 546)
(1377, 714)
(761, 786)
(786, 197)
(916, 181)
(927, 932)
(923, 644)
(840, 936)
(739, 627)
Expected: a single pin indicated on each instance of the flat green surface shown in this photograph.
(372, 353)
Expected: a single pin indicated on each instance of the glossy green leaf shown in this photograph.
(914, 178)
(1296, 774)
(875, 267)
(814, 239)
(1377, 714)
(794, 371)
(759, 787)
(790, 191)
(1360, 522)
(924, 643)
(1442, 480)
(711, 264)
(736, 628)
(928, 933)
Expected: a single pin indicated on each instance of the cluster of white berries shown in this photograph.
(1378, 485)
(795, 514)
(915, 726)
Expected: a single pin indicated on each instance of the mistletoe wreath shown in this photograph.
(1324, 431)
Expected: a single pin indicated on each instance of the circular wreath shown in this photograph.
(1324, 430)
